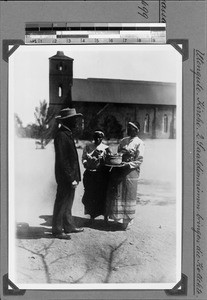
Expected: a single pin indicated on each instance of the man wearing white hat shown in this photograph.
(67, 174)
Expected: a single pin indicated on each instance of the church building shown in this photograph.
(109, 104)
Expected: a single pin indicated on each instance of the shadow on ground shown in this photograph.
(24, 231)
(47, 219)
(97, 224)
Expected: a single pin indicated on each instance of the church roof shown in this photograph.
(124, 91)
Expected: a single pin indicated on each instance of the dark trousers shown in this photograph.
(62, 217)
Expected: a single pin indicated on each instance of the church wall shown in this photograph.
(164, 119)
(156, 128)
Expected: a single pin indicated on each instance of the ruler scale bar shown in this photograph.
(95, 41)
(97, 33)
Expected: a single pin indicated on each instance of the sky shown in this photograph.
(29, 69)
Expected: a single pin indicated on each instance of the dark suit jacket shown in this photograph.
(67, 168)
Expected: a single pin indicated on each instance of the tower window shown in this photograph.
(60, 67)
(146, 123)
(165, 123)
(60, 91)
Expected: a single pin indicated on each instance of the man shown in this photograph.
(67, 174)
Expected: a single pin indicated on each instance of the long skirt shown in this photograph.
(95, 187)
(122, 195)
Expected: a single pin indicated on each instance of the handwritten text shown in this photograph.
(143, 10)
(199, 161)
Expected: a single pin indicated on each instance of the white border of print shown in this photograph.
(149, 286)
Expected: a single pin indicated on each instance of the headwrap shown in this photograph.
(133, 125)
(98, 133)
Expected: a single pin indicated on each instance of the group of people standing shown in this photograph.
(108, 191)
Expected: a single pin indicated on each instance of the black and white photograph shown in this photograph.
(95, 166)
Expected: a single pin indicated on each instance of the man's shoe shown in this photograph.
(75, 230)
(62, 236)
(91, 221)
(106, 220)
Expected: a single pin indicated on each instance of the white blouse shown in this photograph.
(135, 146)
(88, 152)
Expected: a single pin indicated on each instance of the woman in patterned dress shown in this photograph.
(123, 181)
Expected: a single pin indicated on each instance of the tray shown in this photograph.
(115, 166)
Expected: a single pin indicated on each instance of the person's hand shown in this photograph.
(126, 164)
(94, 159)
(85, 164)
(74, 184)
(97, 153)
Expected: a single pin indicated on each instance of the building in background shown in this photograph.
(109, 104)
(152, 104)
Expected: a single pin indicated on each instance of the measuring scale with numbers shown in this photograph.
(101, 33)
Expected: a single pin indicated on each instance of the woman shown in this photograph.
(95, 177)
(123, 182)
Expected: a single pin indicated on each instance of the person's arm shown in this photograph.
(85, 157)
(64, 149)
(88, 158)
(120, 147)
(139, 154)
(107, 151)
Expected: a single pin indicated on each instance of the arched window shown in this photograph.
(146, 123)
(60, 91)
(82, 124)
(165, 123)
(59, 66)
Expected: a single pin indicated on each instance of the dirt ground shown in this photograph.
(101, 254)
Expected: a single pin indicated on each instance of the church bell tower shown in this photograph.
(60, 81)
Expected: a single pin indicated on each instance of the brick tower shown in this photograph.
(60, 84)
(60, 81)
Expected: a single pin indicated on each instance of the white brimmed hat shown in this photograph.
(67, 113)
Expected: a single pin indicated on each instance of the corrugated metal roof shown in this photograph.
(124, 91)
